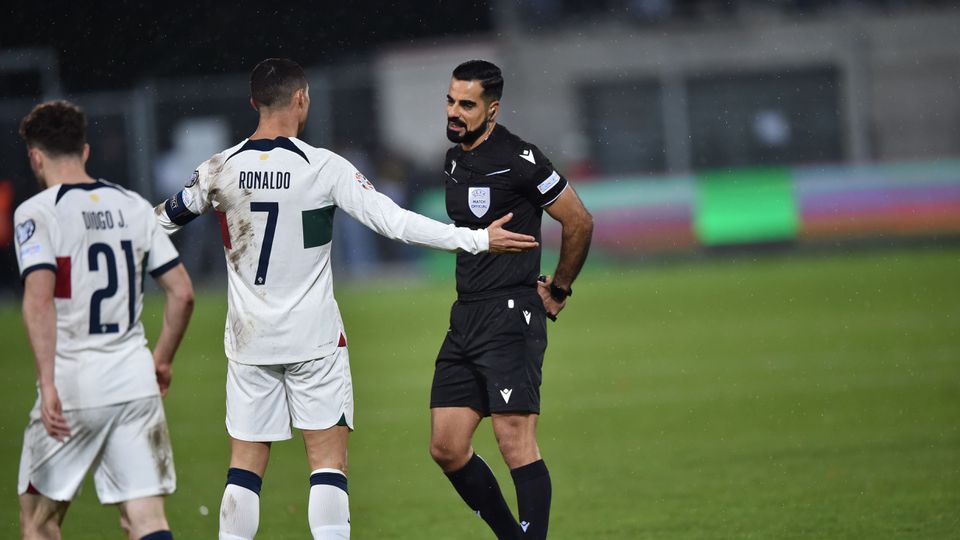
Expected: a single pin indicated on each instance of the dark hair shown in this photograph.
(489, 75)
(55, 127)
(273, 81)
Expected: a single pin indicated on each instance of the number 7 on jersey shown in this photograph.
(272, 209)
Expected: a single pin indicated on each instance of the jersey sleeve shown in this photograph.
(191, 202)
(355, 195)
(541, 183)
(34, 239)
(162, 256)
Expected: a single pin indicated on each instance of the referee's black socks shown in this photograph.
(478, 487)
(533, 498)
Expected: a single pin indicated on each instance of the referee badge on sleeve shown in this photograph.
(478, 199)
(548, 184)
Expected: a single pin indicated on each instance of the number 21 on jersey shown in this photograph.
(103, 252)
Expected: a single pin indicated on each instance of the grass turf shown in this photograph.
(813, 397)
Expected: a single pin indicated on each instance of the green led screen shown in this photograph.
(745, 206)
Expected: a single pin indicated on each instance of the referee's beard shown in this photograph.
(468, 136)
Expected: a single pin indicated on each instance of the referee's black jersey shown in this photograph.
(503, 174)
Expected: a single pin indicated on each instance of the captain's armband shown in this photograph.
(177, 210)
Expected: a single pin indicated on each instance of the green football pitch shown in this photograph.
(785, 397)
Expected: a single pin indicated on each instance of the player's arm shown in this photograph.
(38, 267)
(186, 205)
(40, 318)
(577, 225)
(177, 310)
(163, 263)
(357, 196)
(548, 189)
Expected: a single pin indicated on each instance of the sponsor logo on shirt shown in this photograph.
(478, 199)
(25, 230)
(364, 183)
(32, 249)
(551, 181)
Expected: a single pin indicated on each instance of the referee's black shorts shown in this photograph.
(492, 357)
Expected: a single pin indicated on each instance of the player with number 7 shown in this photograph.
(286, 347)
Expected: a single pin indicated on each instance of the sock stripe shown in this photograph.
(337, 480)
(244, 479)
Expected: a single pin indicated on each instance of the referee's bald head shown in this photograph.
(274, 81)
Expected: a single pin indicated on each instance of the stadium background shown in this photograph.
(764, 343)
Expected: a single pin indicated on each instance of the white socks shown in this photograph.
(239, 513)
(328, 511)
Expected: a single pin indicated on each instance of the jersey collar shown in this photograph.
(85, 186)
(265, 145)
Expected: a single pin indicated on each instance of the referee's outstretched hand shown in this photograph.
(504, 241)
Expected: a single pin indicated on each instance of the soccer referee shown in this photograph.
(491, 360)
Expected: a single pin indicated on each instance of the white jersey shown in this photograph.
(275, 200)
(99, 239)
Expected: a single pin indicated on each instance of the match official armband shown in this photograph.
(177, 210)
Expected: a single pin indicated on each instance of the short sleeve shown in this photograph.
(34, 239)
(541, 182)
(162, 256)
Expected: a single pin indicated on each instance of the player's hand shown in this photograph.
(51, 413)
(504, 241)
(164, 372)
(552, 306)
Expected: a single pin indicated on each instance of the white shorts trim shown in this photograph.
(263, 401)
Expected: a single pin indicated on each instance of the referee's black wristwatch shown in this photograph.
(559, 294)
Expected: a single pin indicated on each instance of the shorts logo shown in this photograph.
(526, 315)
(506, 394)
(479, 200)
(193, 179)
(25, 230)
